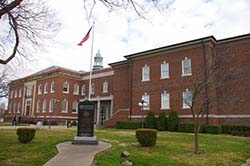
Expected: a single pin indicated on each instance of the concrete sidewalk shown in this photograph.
(76, 155)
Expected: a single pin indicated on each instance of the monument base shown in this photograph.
(85, 140)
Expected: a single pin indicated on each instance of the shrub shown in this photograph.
(241, 133)
(212, 129)
(150, 120)
(146, 137)
(128, 125)
(25, 135)
(186, 127)
(228, 129)
(161, 122)
(173, 121)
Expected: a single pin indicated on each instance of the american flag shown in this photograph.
(86, 37)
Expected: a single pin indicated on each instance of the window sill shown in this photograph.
(165, 109)
(64, 111)
(75, 93)
(45, 92)
(185, 75)
(65, 92)
(185, 108)
(74, 112)
(52, 91)
(144, 80)
(164, 78)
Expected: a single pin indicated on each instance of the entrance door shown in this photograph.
(27, 107)
(104, 113)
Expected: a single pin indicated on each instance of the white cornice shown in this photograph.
(99, 75)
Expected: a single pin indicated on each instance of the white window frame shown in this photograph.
(64, 86)
(52, 87)
(164, 70)
(165, 101)
(18, 107)
(29, 90)
(38, 108)
(66, 106)
(145, 73)
(76, 89)
(46, 88)
(15, 94)
(146, 98)
(92, 89)
(11, 94)
(184, 72)
(44, 106)
(105, 87)
(10, 107)
(20, 93)
(187, 99)
(51, 105)
(75, 107)
(83, 92)
(39, 89)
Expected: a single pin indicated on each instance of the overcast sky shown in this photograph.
(119, 34)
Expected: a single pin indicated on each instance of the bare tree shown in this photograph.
(212, 76)
(4, 85)
(24, 26)
(139, 7)
(2, 109)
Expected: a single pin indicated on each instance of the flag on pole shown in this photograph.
(86, 37)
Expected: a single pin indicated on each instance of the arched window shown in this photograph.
(66, 87)
(51, 105)
(39, 89)
(76, 89)
(52, 87)
(44, 105)
(83, 89)
(75, 107)
(105, 87)
(38, 106)
(46, 88)
(65, 106)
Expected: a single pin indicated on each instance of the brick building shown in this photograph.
(205, 73)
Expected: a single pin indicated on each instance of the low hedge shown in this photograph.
(128, 125)
(146, 137)
(241, 133)
(210, 129)
(228, 129)
(186, 127)
(25, 135)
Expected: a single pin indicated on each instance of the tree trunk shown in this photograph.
(196, 137)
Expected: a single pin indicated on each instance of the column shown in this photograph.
(98, 113)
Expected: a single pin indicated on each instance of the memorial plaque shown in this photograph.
(85, 126)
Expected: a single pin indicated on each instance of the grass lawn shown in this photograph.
(5, 124)
(171, 149)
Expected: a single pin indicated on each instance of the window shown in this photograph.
(76, 89)
(20, 93)
(52, 87)
(65, 106)
(51, 105)
(10, 107)
(83, 89)
(186, 67)
(92, 90)
(187, 99)
(38, 106)
(14, 108)
(164, 70)
(29, 91)
(15, 94)
(11, 94)
(145, 73)
(165, 100)
(18, 107)
(147, 100)
(44, 105)
(66, 87)
(105, 87)
(39, 89)
(75, 107)
(46, 88)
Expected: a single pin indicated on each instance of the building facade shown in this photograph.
(203, 74)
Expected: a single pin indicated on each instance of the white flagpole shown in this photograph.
(91, 58)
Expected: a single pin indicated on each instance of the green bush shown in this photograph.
(161, 122)
(150, 120)
(146, 137)
(186, 127)
(212, 129)
(173, 121)
(228, 129)
(128, 125)
(25, 135)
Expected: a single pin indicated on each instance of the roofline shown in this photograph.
(235, 38)
(173, 46)
(118, 63)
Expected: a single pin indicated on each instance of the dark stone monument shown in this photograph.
(85, 127)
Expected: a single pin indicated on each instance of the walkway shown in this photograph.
(76, 155)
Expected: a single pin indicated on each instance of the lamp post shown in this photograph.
(142, 104)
